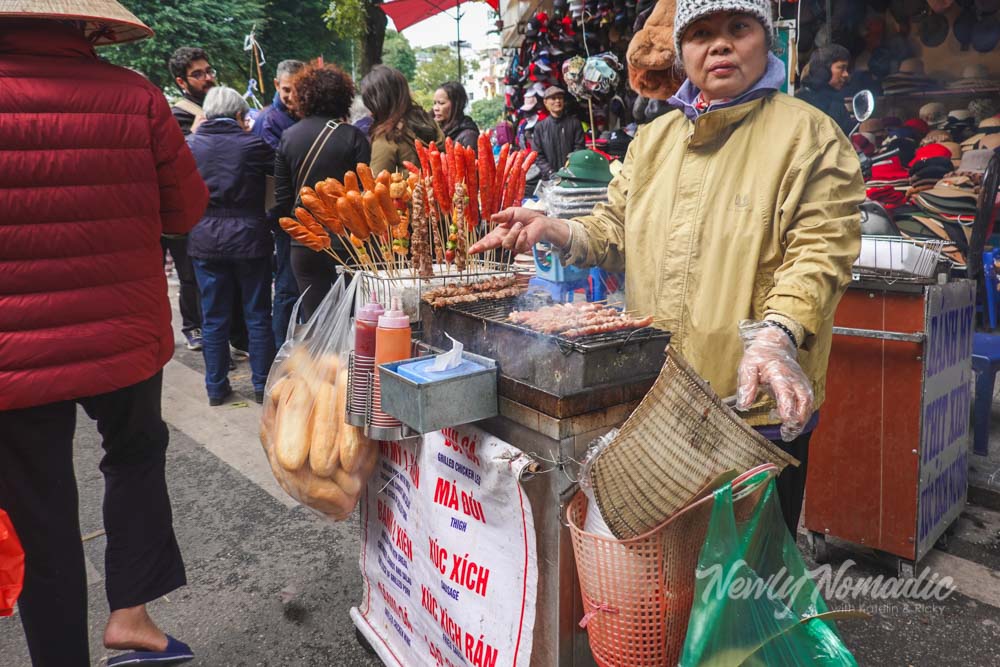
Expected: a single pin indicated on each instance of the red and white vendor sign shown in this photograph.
(448, 553)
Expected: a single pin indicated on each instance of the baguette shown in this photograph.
(351, 447)
(291, 437)
(323, 448)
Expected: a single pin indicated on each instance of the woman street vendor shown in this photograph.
(736, 216)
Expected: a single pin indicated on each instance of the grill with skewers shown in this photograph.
(550, 363)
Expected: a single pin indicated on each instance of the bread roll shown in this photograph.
(323, 446)
(291, 439)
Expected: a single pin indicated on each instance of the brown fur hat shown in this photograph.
(651, 55)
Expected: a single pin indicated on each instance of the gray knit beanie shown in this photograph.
(689, 11)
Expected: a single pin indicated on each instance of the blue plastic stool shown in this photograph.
(985, 363)
(560, 291)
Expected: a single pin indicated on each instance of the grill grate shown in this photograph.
(497, 310)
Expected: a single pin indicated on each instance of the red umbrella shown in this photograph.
(405, 13)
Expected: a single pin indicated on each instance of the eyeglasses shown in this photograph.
(200, 74)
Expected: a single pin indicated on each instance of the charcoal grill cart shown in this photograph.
(555, 397)
(888, 464)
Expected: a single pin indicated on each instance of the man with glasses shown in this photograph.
(194, 76)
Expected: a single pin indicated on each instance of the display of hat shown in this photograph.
(975, 76)
(986, 34)
(930, 151)
(104, 21)
(975, 161)
(870, 137)
(572, 70)
(936, 137)
(584, 168)
(911, 77)
(934, 114)
(600, 73)
(956, 151)
(920, 127)
(964, 26)
(873, 125)
(982, 108)
(651, 54)
(934, 29)
(863, 144)
(530, 102)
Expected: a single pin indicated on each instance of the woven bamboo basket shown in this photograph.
(680, 438)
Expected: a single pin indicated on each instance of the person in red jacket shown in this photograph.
(93, 168)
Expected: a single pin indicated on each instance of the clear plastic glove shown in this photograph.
(770, 362)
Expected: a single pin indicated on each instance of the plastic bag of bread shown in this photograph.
(317, 457)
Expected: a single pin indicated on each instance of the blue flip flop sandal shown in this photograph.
(176, 653)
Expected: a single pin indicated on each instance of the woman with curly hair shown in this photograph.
(321, 145)
(449, 112)
(397, 119)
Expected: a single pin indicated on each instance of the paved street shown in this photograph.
(271, 584)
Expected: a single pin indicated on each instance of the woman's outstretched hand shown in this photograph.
(518, 229)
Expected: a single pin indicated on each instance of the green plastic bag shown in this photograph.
(754, 601)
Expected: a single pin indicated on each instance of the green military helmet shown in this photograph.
(585, 169)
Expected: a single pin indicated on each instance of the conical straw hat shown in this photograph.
(107, 22)
(680, 438)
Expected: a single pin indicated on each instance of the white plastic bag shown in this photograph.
(317, 457)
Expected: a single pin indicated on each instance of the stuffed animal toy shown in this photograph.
(651, 55)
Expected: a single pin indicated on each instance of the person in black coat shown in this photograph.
(449, 105)
(320, 146)
(823, 86)
(558, 135)
(231, 245)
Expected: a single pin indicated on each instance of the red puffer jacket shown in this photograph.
(93, 168)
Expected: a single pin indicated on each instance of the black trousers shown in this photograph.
(38, 490)
(316, 271)
(791, 483)
(190, 302)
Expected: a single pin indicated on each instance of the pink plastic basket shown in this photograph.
(637, 593)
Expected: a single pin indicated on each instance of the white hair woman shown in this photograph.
(231, 245)
(735, 218)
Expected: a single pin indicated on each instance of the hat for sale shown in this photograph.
(964, 26)
(530, 102)
(651, 54)
(600, 73)
(936, 137)
(585, 168)
(104, 21)
(873, 125)
(934, 114)
(930, 151)
(974, 76)
(903, 10)
(572, 70)
(986, 34)
(863, 144)
(934, 29)
(982, 108)
(689, 11)
(919, 127)
(975, 161)
(940, 6)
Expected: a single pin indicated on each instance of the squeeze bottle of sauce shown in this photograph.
(365, 322)
(392, 343)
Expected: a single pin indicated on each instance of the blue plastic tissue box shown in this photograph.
(419, 371)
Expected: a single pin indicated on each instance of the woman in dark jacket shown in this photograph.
(320, 146)
(822, 87)
(398, 120)
(231, 245)
(449, 112)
